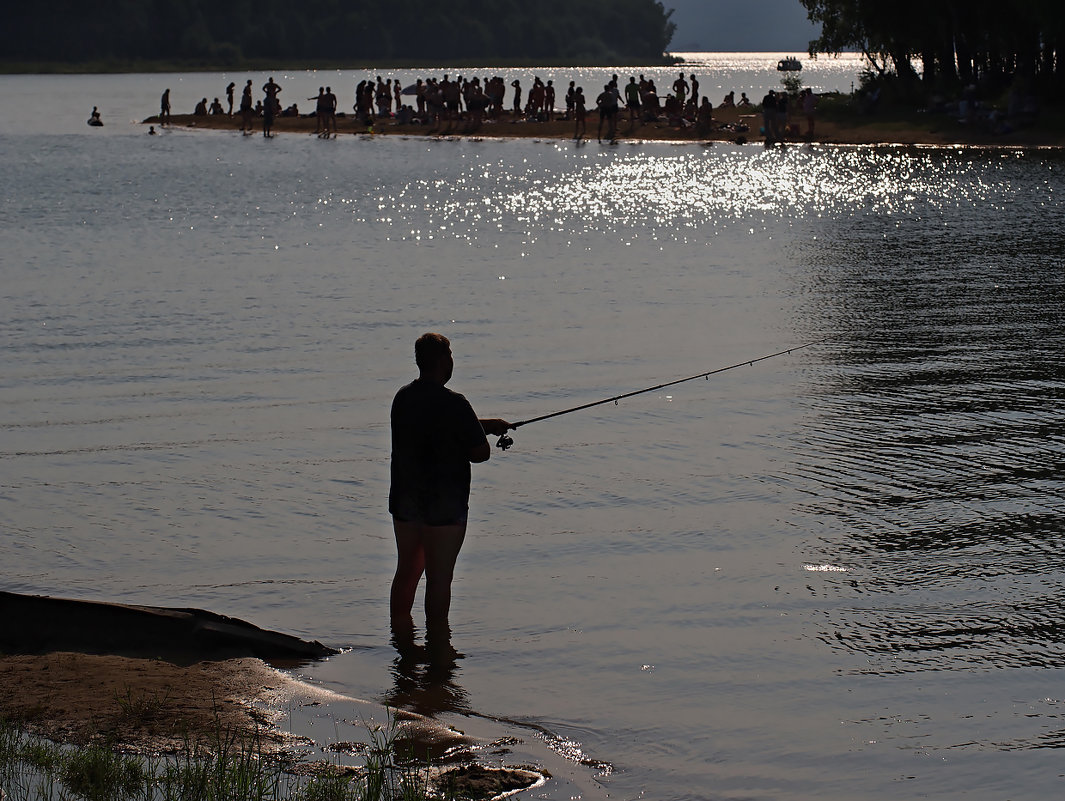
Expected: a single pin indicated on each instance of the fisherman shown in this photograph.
(435, 437)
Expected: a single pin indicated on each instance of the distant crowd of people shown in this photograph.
(776, 115)
(452, 103)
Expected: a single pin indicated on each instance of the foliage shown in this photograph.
(99, 774)
(230, 32)
(792, 83)
(983, 43)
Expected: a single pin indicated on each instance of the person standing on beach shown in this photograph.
(435, 437)
(579, 113)
(608, 112)
(780, 119)
(330, 111)
(769, 111)
(246, 109)
(680, 89)
(632, 101)
(704, 120)
(270, 104)
(164, 108)
(517, 97)
(229, 96)
(319, 109)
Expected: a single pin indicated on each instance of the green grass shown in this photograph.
(229, 769)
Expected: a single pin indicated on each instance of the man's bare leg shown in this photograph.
(409, 568)
(441, 546)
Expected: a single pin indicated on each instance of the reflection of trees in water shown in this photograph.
(423, 675)
(933, 454)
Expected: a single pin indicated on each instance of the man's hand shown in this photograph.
(495, 426)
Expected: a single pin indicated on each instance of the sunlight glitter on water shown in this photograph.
(673, 195)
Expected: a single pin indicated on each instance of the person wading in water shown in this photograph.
(435, 437)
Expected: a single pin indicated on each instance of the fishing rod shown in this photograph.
(505, 441)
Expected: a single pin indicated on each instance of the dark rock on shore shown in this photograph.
(33, 624)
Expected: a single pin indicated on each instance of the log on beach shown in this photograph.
(33, 624)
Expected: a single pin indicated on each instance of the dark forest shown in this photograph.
(955, 43)
(312, 32)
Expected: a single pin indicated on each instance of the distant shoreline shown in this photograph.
(834, 127)
(121, 67)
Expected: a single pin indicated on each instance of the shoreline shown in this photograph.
(159, 680)
(151, 708)
(732, 125)
(140, 673)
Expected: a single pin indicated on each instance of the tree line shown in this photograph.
(957, 43)
(234, 32)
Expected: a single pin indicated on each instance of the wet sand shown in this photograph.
(139, 675)
(79, 672)
(138, 703)
(730, 125)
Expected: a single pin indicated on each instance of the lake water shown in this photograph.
(837, 573)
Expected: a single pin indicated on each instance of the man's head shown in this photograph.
(432, 354)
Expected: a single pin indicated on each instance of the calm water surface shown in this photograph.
(835, 574)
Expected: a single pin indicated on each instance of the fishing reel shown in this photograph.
(504, 442)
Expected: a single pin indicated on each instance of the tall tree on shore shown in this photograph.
(956, 41)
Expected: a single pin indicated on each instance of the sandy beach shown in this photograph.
(141, 676)
(139, 703)
(730, 124)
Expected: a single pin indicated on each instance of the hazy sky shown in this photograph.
(748, 25)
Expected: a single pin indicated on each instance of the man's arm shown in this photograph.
(480, 453)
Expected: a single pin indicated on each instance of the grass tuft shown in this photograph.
(232, 768)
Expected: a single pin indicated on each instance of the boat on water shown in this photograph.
(789, 64)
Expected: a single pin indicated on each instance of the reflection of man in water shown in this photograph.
(435, 437)
(425, 676)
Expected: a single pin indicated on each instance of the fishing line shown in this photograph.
(505, 441)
